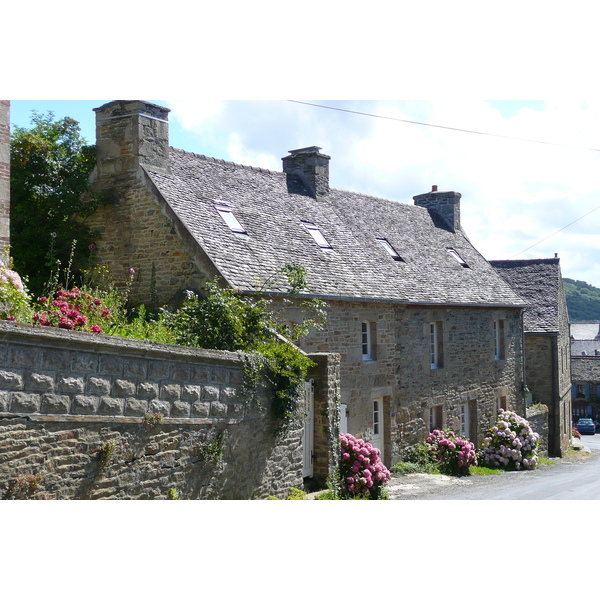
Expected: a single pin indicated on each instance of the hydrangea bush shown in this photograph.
(511, 443)
(362, 473)
(453, 453)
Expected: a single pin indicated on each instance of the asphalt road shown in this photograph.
(576, 478)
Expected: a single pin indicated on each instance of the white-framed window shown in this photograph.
(230, 219)
(368, 335)
(436, 414)
(436, 354)
(389, 249)
(456, 256)
(499, 339)
(316, 234)
(376, 416)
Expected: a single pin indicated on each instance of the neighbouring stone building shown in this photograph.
(4, 179)
(547, 342)
(585, 369)
(429, 333)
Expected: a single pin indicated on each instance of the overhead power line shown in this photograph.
(557, 231)
(355, 112)
(506, 137)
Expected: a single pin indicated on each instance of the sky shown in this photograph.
(527, 169)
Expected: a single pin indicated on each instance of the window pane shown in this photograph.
(317, 235)
(230, 219)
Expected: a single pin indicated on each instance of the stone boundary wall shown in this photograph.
(537, 415)
(101, 417)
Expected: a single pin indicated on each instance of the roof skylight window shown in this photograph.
(230, 219)
(390, 249)
(317, 235)
(457, 257)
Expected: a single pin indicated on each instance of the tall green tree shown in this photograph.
(50, 167)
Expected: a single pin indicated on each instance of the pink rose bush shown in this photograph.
(511, 443)
(362, 473)
(454, 454)
(14, 301)
(75, 310)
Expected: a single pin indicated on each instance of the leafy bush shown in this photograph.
(416, 459)
(14, 301)
(362, 473)
(225, 320)
(454, 454)
(511, 443)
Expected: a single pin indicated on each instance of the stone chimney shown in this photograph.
(4, 180)
(445, 204)
(130, 133)
(311, 167)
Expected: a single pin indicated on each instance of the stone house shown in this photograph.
(585, 369)
(428, 332)
(4, 178)
(547, 345)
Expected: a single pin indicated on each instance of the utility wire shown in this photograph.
(473, 132)
(506, 137)
(557, 231)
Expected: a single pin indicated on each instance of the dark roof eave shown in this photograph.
(386, 300)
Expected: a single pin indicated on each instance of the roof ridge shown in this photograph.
(270, 171)
(524, 260)
(226, 162)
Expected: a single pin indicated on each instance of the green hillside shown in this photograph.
(583, 300)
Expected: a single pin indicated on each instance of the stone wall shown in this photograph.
(4, 178)
(399, 373)
(537, 415)
(100, 417)
(470, 375)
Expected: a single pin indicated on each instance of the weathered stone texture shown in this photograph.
(401, 375)
(56, 422)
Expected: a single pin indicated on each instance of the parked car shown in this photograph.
(586, 426)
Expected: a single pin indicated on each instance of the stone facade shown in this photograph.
(135, 224)
(548, 376)
(537, 415)
(399, 375)
(101, 417)
(585, 372)
(547, 342)
(4, 179)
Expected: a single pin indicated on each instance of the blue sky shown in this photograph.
(519, 198)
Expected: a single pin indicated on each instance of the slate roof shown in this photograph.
(537, 281)
(590, 347)
(271, 207)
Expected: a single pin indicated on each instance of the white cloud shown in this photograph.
(195, 114)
